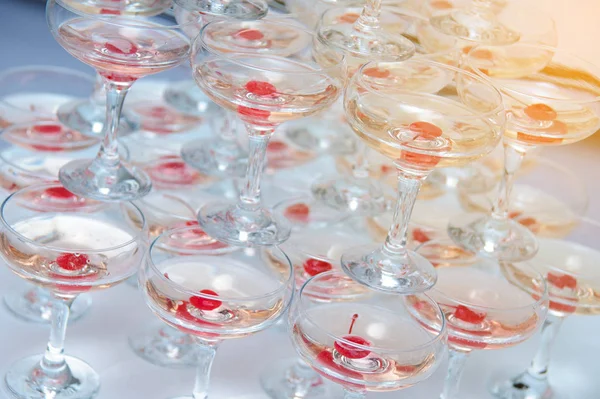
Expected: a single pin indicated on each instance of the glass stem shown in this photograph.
(456, 366)
(257, 157)
(369, 17)
(208, 350)
(301, 377)
(512, 162)
(109, 150)
(541, 360)
(348, 394)
(408, 190)
(99, 95)
(360, 167)
(53, 363)
(229, 127)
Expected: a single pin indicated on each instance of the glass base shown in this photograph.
(306, 212)
(358, 196)
(505, 240)
(319, 136)
(88, 178)
(165, 347)
(187, 98)
(215, 157)
(381, 270)
(35, 305)
(478, 26)
(280, 382)
(88, 118)
(238, 9)
(26, 380)
(523, 386)
(232, 225)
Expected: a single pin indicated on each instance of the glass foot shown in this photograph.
(239, 9)
(232, 225)
(26, 380)
(381, 270)
(88, 117)
(319, 136)
(88, 178)
(358, 196)
(165, 347)
(281, 380)
(523, 386)
(35, 305)
(475, 25)
(214, 157)
(306, 212)
(505, 240)
(187, 98)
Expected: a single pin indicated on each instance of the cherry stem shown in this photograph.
(513, 159)
(206, 357)
(368, 20)
(541, 360)
(349, 394)
(456, 366)
(354, 317)
(250, 193)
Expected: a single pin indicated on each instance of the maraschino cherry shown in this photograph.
(297, 212)
(314, 266)
(350, 351)
(72, 262)
(206, 304)
(467, 315)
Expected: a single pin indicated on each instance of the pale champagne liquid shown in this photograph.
(233, 280)
(137, 51)
(383, 328)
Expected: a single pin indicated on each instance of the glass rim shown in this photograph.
(288, 283)
(200, 44)
(138, 237)
(499, 109)
(554, 50)
(543, 295)
(125, 21)
(66, 147)
(302, 314)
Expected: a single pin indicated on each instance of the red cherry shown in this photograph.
(166, 275)
(276, 146)
(348, 18)
(314, 266)
(376, 72)
(297, 212)
(350, 351)
(420, 236)
(255, 115)
(72, 262)
(59, 193)
(561, 281)
(205, 303)
(117, 78)
(249, 34)
(540, 112)
(425, 130)
(260, 88)
(121, 46)
(422, 160)
(47, 129)
(468, 316)
(107, 11)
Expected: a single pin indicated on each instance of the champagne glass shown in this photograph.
(570, 267)
(238, 9)
(410, 112)
(552, 98)
(122, 49)
(365, 343)
(68, 245)
(214, 295)
(484, 305)
(265, 85)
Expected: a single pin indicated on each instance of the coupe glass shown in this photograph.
(238, 9)
(122, 49)
(570, 266)
(422, 115)
(68, 245)
(483, 303)
(552, 98)
(267, 84)
(214, 295)
(365, 343)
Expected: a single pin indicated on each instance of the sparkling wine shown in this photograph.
(372, 326)
(463, 293)
(58, 256)
(123, 52)
(237, 316)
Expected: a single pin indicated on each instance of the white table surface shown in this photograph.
(100, 338)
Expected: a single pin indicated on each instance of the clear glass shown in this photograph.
(483, 302)
(569, 265)
(238, 9)
(267, 72)
(422, 115)
(183, 287)
(122, 49)
(305, 212)
(544, 109)
(68, 245)
(334, 338)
